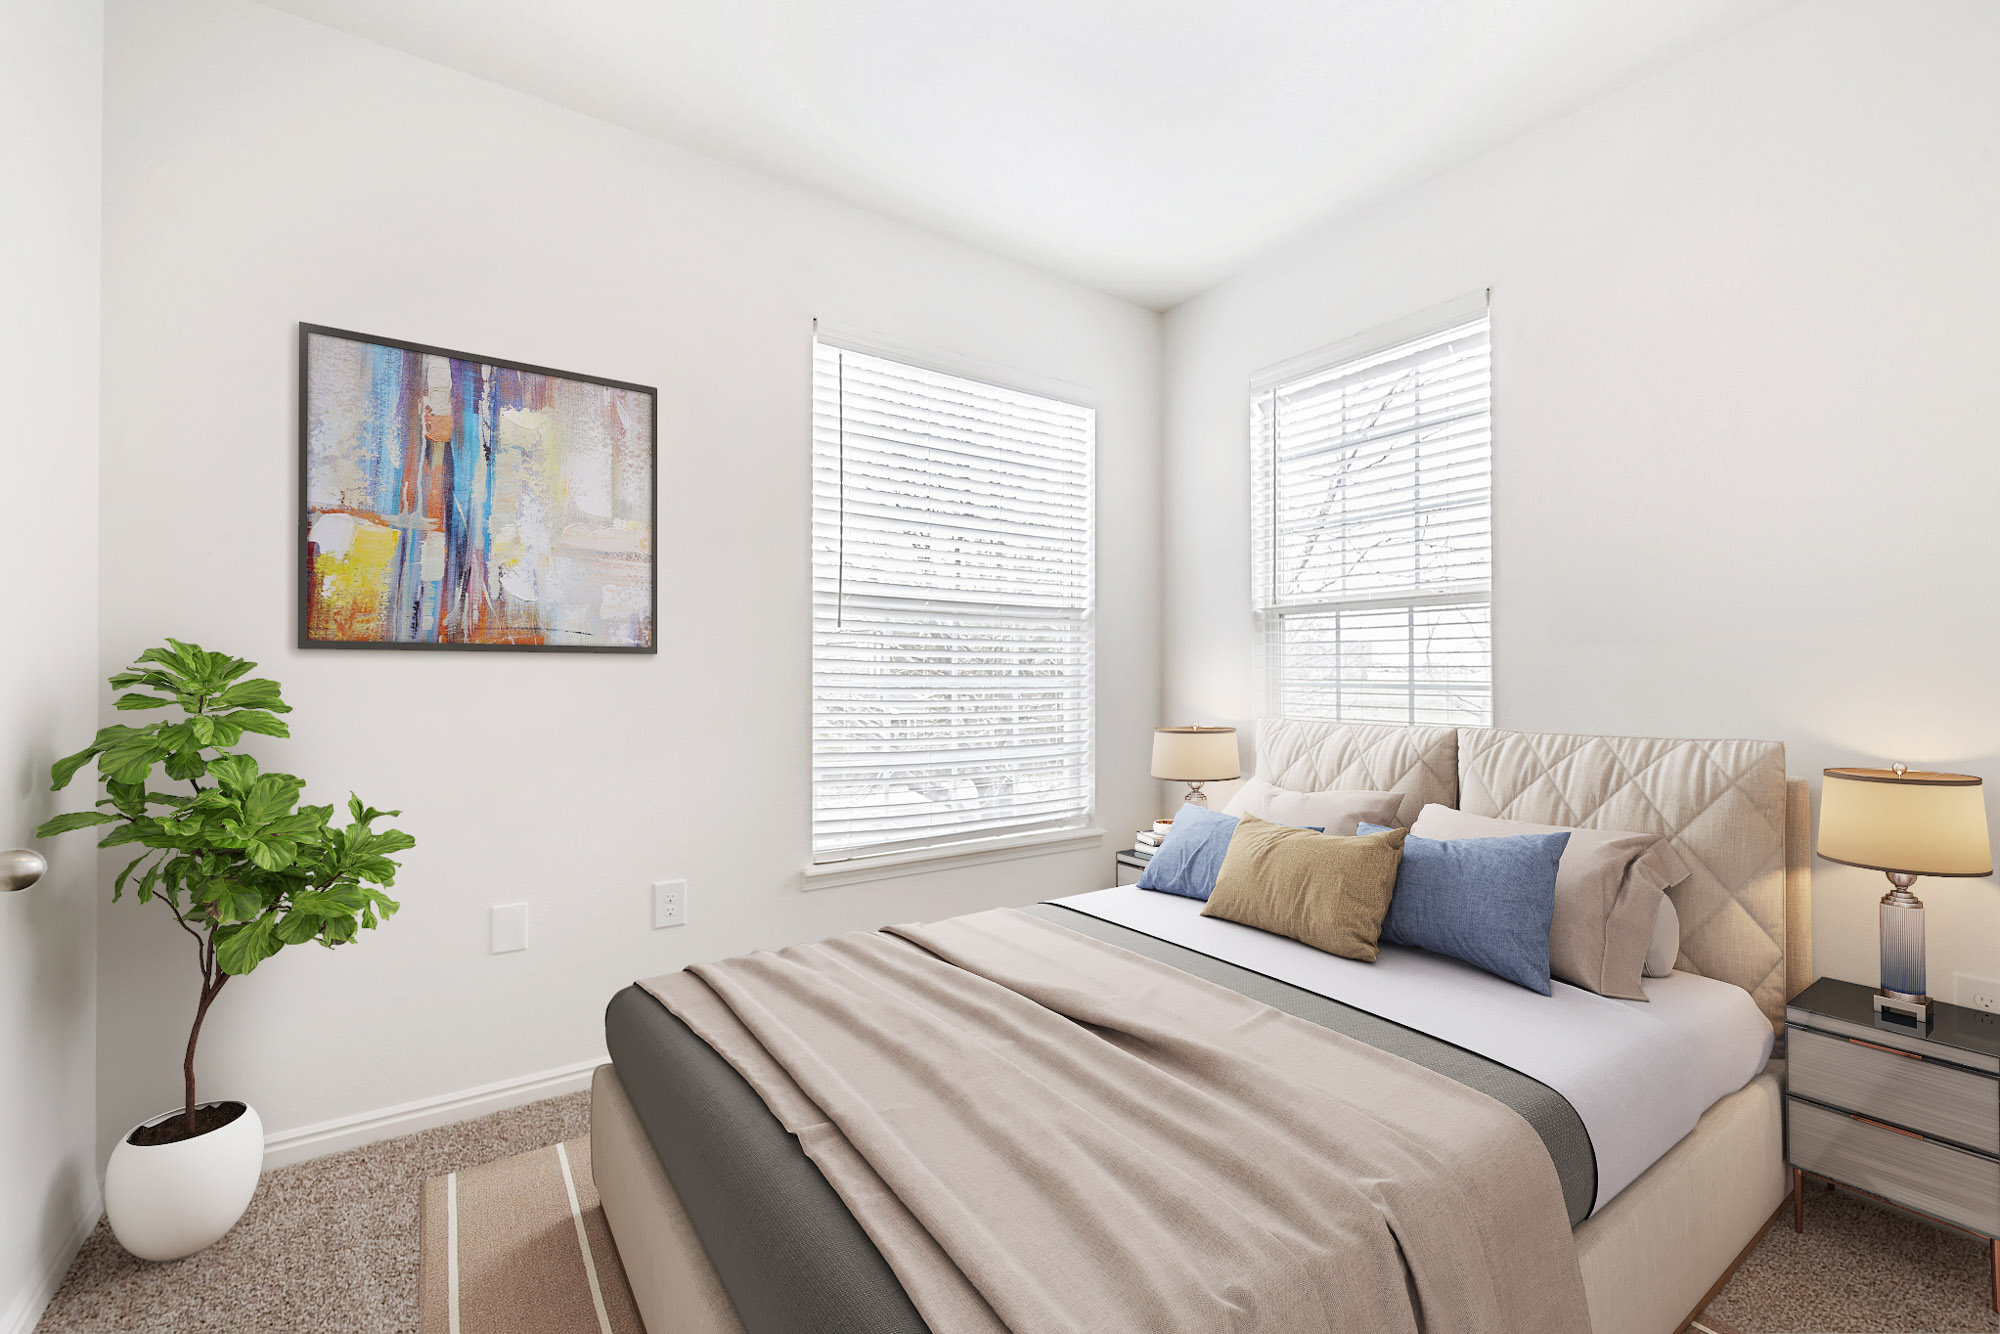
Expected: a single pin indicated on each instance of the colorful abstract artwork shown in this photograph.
(454, 502)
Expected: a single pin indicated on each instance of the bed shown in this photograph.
(1663, 1121)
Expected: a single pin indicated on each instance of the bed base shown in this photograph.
(1651, 1259)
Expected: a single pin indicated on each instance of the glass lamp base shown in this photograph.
(1902, 918)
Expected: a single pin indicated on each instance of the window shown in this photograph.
(953, 630)
(1372, 526)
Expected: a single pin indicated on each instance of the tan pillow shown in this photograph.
(1335, 812)
(1330, 893)
(1608, 891)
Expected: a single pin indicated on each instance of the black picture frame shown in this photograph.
(303, 553)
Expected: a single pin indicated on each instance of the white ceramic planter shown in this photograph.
(165, 1201)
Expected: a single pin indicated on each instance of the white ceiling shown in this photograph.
(1144, 147)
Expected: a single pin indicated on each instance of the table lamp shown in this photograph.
(1195, 755)
(1906, 823)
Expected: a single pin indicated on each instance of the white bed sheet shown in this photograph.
(1639, 1073)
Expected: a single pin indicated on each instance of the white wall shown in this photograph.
(261, 170)
(1746, 324)
(51, 100)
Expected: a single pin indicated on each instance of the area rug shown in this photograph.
(520, 1246)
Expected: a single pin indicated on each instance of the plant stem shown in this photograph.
(212, 982)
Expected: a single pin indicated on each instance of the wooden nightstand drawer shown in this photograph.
(1918, 1173)
(1890, 1085)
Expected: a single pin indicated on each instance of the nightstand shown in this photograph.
(1903, 1112)
(1130, 866)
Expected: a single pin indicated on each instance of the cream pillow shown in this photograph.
(1608, 892)
(1666, 947)
(1336, 812)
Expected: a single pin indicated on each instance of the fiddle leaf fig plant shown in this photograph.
(244, 868)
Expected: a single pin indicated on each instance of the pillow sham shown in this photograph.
(1324, 891)
(1191, 853)
(1608, 891)
(1337, 812)
(1488, 901)
(1665, 950)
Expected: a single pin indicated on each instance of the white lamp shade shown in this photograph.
(1195, 754)
(1915, 823)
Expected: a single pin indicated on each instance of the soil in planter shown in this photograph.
(209, 1116)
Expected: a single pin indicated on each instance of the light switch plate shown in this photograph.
(670, 903)
(509, 927)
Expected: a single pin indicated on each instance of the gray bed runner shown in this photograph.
(788, 1252)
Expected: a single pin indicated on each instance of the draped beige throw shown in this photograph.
(1043, 1132)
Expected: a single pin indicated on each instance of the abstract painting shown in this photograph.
(456, 502)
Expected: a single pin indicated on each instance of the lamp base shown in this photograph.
(1895, 1002)
(1195, 796)
(1902, 991)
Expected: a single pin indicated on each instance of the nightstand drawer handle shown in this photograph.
(1896, 1130)
(1893, 1051)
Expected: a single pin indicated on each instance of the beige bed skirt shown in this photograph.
(1649, 1258)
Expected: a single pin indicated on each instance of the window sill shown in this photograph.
(1003, 849)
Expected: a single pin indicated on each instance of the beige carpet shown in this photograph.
(331, 1245)
(327, 1247)
(1858, 1268)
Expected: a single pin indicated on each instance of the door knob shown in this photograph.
(21, 867)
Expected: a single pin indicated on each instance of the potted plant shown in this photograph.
(246, 871)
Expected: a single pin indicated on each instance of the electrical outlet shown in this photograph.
(508, 927)
(670, 903)
(1976, 993)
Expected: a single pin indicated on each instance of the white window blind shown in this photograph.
(1372, 528)
(953, 629)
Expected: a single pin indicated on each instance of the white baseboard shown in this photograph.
(347, 1132)
(25, 1311)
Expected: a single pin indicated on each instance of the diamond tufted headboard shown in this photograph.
(1308, 755)
(1745, 909)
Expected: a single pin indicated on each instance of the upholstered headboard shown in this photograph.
(1745, 909)
(1308, 755)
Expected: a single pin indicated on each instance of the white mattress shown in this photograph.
(1639, 1073)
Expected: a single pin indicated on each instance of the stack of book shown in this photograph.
(1147, 841)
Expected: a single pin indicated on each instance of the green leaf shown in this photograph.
(271, 796)
(147, 881)
(178, 664)
(129, 798)
(148, 832)
(130, 756)
(240, 947)
(65, 768)
(62, 824)
(118, 885)
(187, 763)
(201, 729)
(227, 669)
(341, 901)
(390, 840)
(140, 702)
(234, 772)
(232, 900)
(256, 720)
(296, 928)
(367, 814)
(257, 693)
(273, 854)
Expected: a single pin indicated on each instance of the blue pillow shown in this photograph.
(1191, 854)
(1488, 901)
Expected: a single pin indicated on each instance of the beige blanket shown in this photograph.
(1043, 1132)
